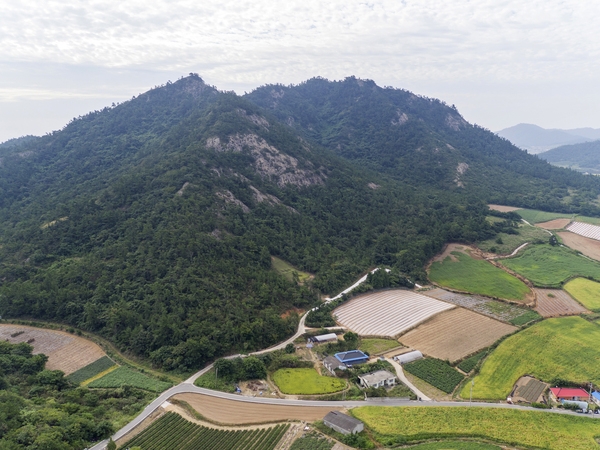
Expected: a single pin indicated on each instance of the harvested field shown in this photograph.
(495, 309)
(528, 390)
(453, 335)
(585, 229)
(65, 351)
(503, 208)
(387, 313)
(588, 246)
(556, 224)
(240, 412)
(556, 302)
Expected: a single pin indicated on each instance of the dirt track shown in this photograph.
(454, 334)
(232, 412)
(589, 247)
(503, 208)
(556, 224)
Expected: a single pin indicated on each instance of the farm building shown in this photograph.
(352, 357)
(377, 379)
(409, 357)
(596, 397)
(573, 394)
(331, 363)
(323, 338)
(529, 390)
(342, 423)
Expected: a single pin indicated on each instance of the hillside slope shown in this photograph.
(536, 139)
(582, 157)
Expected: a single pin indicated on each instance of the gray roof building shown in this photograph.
(377, 379)
(342, 423)
(331, 363)
(324, 338)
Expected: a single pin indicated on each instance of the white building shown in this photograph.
(409, 357)
(380, 378)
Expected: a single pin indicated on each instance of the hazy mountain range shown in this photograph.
(536, 139)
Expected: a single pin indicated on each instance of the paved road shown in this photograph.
(402, 377)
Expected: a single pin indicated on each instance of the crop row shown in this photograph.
(124, 376)
(91, 370)
(173, 432)
(436, 372)
(469, 363)
(312, 441)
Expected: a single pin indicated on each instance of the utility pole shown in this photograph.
(471, 396)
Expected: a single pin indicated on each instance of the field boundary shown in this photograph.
(99, 375)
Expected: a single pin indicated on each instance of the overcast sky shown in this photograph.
(501, 62)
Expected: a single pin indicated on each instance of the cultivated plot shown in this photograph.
(65, 352)
(502, 208)
(387, 313)
(585, 291)
(585, 229)
(588, 246)
(556, 224)
(453, 335)
(555, 302)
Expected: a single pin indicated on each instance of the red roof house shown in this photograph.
(575, 394)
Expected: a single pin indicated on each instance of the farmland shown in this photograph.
(436, 372)
(387, 313)
(236, 412)
(586, 292)
(458, 445)
(505, 312)
(65, 351)
(454, 334)
(124, 376)
(502, 208)
(306, 382)
(377, 346)
(556, 302)
(526, 233)
(556, 224)
(589, 247)
(173, 432)
(513, 427)
(462, 272)
(93, 369)
(312, 441)
(469, 364)
(585, 229)
(544, 351)
(548, 266)
(287, 270)
(534, 216)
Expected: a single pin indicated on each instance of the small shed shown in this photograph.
(331, 364)
(330, 337)
(409, 357)
(380, 378)
(352, 357)
(343, 423)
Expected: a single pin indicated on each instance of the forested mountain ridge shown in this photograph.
(423, 141)
(153, 222)
(584, 157)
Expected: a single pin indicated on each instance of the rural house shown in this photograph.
(331, 363)
(342, 423)
(380, 378)
(352, 357)
(574, 394)
(323, 338)
(596, 397)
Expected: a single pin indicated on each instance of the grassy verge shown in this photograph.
(548, 266)
(209, 380)
(512, 427)
(306, 382)
(509, 242)
(455, 445)
(377, 346)
(123, 376)
(552, 350)
(586, 292)
(536, 216)
(525, 318)
(478, 277)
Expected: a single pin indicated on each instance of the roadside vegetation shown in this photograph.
(549, 266)
(559, 351)
(436, 372)
(455, 445)
(586, 292)
(530, 429)
(124, 376)
(478, 277)
(306, 382)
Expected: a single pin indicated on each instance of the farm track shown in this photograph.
(65, 351)
(387, 313)
(455, 334)
(560, 304)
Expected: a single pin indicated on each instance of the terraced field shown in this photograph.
(589, 247)
(455, 334)
(556, 224)
(387, 313)
(65, 351)
(556, 302)
(585, 229)
(587, 292)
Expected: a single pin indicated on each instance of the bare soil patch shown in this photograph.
(589, 247)
(240, 412)
(528, 390)
(65, 351)
(453, 248)
(556, 302)
(503, 208)
(556, 224)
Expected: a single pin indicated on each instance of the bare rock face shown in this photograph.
(455, 122)
(269, 162)
(400, 119)
(261, 197)
(230, 198)
(460, 171)
(254, 118)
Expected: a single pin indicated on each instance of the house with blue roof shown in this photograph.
(596, 397)
(352, 357)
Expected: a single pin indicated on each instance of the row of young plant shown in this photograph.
(173, 432)
(436, 372)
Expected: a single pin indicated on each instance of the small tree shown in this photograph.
(111, 445)
(290, 348)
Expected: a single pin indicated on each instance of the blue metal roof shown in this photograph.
(351, 356)
(596, 395)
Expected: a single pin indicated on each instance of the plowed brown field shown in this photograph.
(560, 304)
(65, 352)
(239, 412)
(556, 224)
(589, 247)
(454, 334)
(503, 208)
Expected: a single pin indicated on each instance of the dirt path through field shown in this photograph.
(589, 247)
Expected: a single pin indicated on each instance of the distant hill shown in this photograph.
(583, 157)
(536, 139)
(17, 142)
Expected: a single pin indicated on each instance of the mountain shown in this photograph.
(536, 139)
(582, 157)
(422, 142)
(153, 223)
